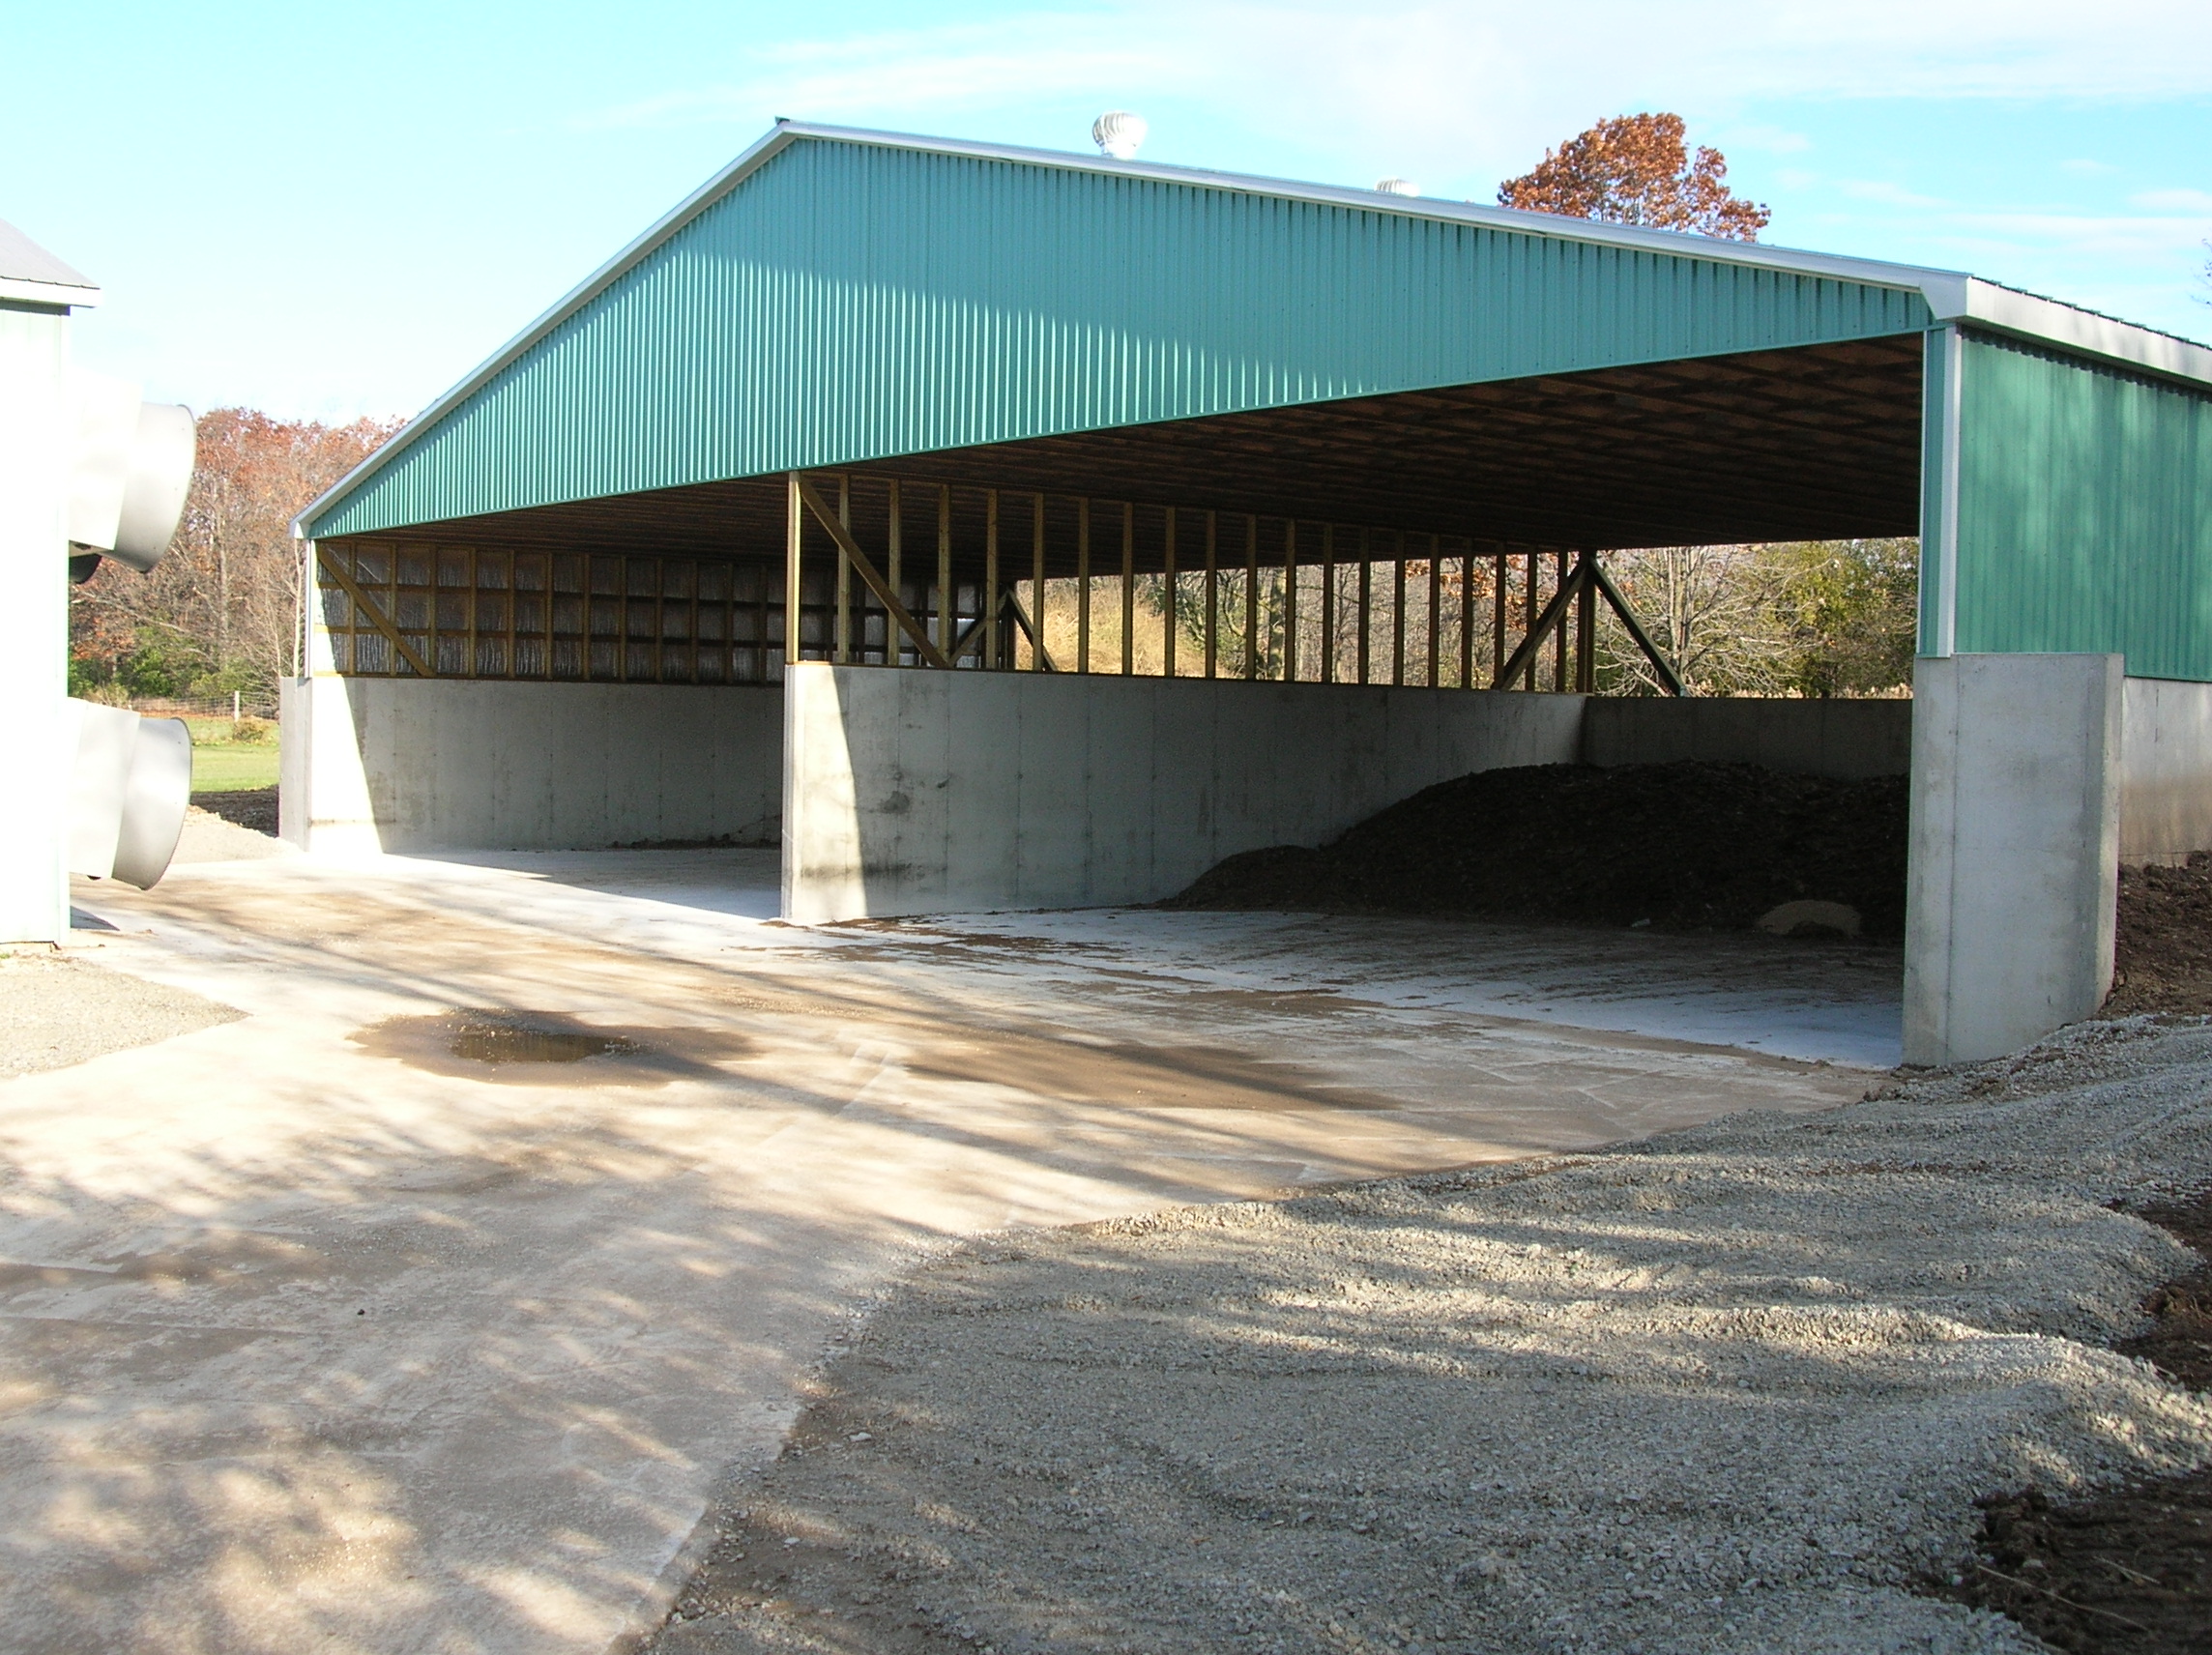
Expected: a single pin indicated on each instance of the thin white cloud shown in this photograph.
(2174, 200)
(1462, 90)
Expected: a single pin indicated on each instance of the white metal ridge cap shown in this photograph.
(2032, 316)
(32, 276)
(1681, 244)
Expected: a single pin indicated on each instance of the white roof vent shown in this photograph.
(1118, 133)
(1397, 187)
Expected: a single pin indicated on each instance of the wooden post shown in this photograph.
(794, 530)
(990, 580)
(1168, 582)
(1585, 627)
(895, 645)
(844, 572)
(1251, 597)
(945, 633)
(1328, 603)
(1366, 600)
(1467, 617)
(1497, 618)
(1036, 583)
(1528, 677)
(1212, 598)
(1289, 600)
(1436, 613)
(1128, 588)
(1083, 586)
(1559, 642)
(1398, 611)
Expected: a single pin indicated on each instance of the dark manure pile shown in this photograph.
(2164, 943)
(1682, 846)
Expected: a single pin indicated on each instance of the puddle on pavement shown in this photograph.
(543, 1048)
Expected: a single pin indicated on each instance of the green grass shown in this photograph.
(233, 766)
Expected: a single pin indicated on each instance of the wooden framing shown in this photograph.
(1366, 605)
(1083, 585)
(1168, 596)
(1212, 598)
(1128, 588)
(1251, 597)
(435, 609)
(1328, 603)
(802, 489)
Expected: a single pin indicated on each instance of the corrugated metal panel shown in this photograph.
(2084, 511)
(850, 302)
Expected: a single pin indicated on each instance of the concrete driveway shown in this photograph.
(318, 1336)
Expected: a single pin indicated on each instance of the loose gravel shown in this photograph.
(1733, 1389)
(58, 1009)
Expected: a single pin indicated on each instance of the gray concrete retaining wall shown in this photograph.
(410, 765)
(918, 792)
(2009, 899)
(1849, 739)
(2166, 775)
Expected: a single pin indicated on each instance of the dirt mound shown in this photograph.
(1685, 846)
(2164, 958)
(2128, 1572)
(253, 807)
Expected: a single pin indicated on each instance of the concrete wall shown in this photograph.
(922, 791)
(34, 622)
(456, 763)
(1849, 738)
(2165, 774)
(2009, 900)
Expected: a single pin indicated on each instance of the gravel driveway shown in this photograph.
(1735, 1388)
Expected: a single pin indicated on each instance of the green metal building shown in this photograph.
(994, 317)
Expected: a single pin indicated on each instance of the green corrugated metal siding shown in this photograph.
(2084, 511)
(852, 301)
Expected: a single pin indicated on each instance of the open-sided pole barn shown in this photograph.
(863, 399)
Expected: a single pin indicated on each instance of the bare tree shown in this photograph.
(219, 613)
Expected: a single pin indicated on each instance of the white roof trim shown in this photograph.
(2008, 311)
(1952, 295)
(65, 293)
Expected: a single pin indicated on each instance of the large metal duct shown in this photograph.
(128, 790)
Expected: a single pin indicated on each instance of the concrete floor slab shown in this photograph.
(310, 1344)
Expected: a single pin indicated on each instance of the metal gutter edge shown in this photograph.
(18, 291)
(2049, 321)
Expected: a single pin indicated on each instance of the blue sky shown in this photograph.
(330, 211)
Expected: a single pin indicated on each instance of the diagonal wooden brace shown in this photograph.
(1666, 674)
(1036, 640)
(866, 570)
(1554, 613)
(376, 616)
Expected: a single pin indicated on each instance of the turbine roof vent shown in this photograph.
(1397, 187)
(1118, 133)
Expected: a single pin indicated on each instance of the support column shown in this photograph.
(2014, 849)
(794, 535)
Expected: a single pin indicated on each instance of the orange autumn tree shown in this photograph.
(1635, 169)
(220, 611)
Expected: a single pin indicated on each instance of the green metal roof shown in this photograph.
(836, 297)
